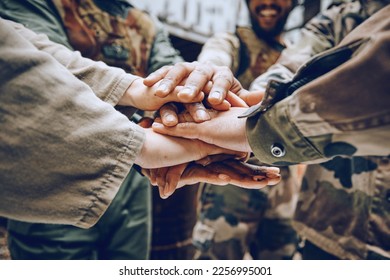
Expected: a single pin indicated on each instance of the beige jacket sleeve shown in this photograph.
(63, 151)
(108, 83)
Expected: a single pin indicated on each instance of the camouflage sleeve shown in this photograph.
(318, 35)
(343, 112)
(291, 59)
(323, 32)
(277, 72)
(222, 49)
(108, 83)
(162, 52)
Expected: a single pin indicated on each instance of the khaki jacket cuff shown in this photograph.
(275, 139)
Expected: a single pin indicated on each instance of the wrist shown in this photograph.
(130, 97)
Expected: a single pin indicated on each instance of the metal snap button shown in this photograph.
(277, 150)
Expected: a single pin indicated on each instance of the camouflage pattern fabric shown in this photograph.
(122, 42)
(244, 53)
(343, 205)
(234, 221)
(257, 56)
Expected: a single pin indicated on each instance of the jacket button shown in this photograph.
(277, 150)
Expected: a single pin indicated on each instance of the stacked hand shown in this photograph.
(199, 105)
(187, 84)
(228, 171)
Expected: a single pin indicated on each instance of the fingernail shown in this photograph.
(170, 118)
(157, 125)
(216, 95)
(161, 191)
(273, 169)
(151, 75)
(167, 193)
(162, 87)
(203, 115)
(186, 91)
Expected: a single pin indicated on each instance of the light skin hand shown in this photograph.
(225, 129)
(221, 173)
(198, 112)
(217, 169)
(169, 112)
(144, 98)
(252, 97)
(195, 76)
(161, 150)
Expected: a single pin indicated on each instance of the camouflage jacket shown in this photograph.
(243, 52)
(344, 203)
(117, 34)
(111, 31)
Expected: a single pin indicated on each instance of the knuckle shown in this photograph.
(223, 77)
(203, 71)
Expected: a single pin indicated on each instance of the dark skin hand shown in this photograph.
(215, 85)
(222, 92)
(196, 76)
(221, 169)
(221, 173)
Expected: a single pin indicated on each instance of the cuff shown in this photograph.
(275, 139)
(120, 88)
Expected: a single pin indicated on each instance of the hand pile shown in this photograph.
(202, 102)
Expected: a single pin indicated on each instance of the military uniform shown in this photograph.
(243, 52)
(335, 107)
(120, 36)
(234, 221)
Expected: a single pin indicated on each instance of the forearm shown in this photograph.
(164, 151)
(64, 153)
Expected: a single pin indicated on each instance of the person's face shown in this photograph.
(269, 14)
